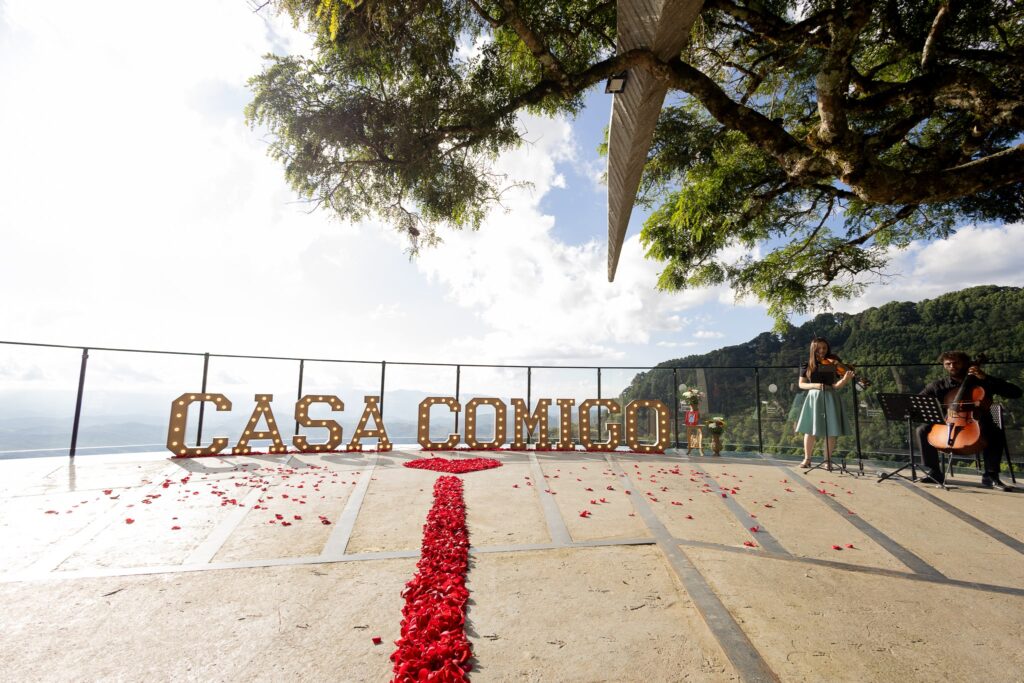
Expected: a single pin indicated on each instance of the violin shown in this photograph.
(961, 432)
(842, 368)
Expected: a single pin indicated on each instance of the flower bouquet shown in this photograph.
(716, 427)
(692, 397)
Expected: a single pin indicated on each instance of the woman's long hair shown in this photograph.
(812, 362)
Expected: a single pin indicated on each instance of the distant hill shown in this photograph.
(886, 343)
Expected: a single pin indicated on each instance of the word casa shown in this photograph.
(537, 422)
(179, 419)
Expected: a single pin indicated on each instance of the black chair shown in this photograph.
(997, 418)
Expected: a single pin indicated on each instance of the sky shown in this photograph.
(138, 210)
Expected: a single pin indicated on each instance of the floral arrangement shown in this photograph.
(716, 425)
(692, 396)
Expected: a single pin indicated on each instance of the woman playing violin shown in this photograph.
(959, 368)
(822, 413)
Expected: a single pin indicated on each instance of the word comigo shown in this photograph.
(523, 424)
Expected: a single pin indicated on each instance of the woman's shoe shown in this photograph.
(806, 463)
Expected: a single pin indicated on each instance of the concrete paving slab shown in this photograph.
(822, 624)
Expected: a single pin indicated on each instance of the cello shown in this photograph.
(961, 434)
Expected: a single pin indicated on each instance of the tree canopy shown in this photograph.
(819, 134)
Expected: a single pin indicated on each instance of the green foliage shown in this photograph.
(895, 346)
(811, 136)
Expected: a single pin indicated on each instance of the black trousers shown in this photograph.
(991, 456)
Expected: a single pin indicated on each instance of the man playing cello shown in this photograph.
(958, 366)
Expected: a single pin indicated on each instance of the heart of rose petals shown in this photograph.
(453, 466)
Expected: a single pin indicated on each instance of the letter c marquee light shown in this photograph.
(178, 422)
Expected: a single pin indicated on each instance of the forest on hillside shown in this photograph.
(894, 346)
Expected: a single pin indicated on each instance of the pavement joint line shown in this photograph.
(742, 515)
(556, 524)
(730, 636)
(310, 560)
(337, 542)
(911, 560)
(208, 549)
(61, 550)
(860, 569)
(981, 526)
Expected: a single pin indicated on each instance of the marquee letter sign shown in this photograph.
(538, 422)
(423, 425)
(334, 430)
(633, 439)
(179, 421)
(371, 409)
(535, 423)
(263, 410)
(614, 428)
(499, 423)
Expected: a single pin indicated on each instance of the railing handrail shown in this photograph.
(468, 365)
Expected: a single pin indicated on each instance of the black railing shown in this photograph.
(755, 400)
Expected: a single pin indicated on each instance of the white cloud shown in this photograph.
(708, 334)
(975, 255)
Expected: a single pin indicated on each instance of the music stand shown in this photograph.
(912, 408)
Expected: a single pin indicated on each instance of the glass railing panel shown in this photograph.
(405, 387)
(240, 379)
(491, 382)
(578, 384)
(780, 401)
(350, 382)
(38, 387)
(731, 394)
(127, 400)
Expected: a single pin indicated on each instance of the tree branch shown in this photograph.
(552, 67)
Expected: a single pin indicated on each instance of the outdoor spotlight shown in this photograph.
(616, 84)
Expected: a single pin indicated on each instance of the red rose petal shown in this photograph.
(837, 547)
(377, 640)
(129, 520)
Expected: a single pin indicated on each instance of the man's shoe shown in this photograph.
(933, 478)
(989, 481)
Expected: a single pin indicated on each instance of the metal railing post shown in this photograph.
(856, 427)
(675, 402)
(458, 380)
(202, 404)
(757, 400)
(599, 407)
(529, 383)
(383, 368)
(78, 404)
(302, 368)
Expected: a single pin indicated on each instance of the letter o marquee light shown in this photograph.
(500, 414)
(614, 428)
(179, 420)
(334, 430)
(633, 439)
(423, 424)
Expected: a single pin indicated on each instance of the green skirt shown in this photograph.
(823, 414)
